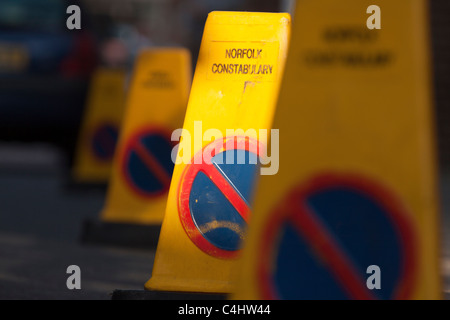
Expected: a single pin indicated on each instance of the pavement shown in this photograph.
(444, 183)
(40, 226)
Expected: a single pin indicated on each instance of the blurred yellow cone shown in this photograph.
(354, 211)
(142, 169)
(100, 127)
(155, 107)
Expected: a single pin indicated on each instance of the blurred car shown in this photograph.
(44, 71)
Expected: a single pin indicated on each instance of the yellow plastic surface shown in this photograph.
(156, 103)
(235, 86)
(100, 127)
(355, 103)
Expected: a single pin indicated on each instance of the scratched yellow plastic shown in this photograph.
(157, 98)
(238, 98)
(369, 118)
(105, 106)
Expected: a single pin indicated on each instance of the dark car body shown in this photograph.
(44, 71)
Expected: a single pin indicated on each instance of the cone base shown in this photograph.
(120, 234)
(164, 295)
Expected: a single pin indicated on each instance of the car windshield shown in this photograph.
(33, 15)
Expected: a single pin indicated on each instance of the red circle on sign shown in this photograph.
(135, 141)
(291, 209)
(187, 180)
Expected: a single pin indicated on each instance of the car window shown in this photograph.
(37, 15)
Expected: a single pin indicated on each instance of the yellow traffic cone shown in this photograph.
(354, 211)
(143, 166)
(100, 128)
(235, 86)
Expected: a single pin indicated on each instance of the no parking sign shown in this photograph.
(329, 231)
(214, 196)
(104, 141)
(147, 164)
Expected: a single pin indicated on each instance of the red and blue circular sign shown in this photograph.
(215, 195)
(322, 238)
(104, 141)
(147, 163)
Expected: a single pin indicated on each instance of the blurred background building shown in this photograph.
(138, 23)
(45, 68)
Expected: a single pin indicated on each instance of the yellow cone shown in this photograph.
(142, 168)
(235, 86)
(100, 127)
(354, 211)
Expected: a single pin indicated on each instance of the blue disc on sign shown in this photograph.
(148, 164)
(104, 141)
(328, 238)
(215, 201)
